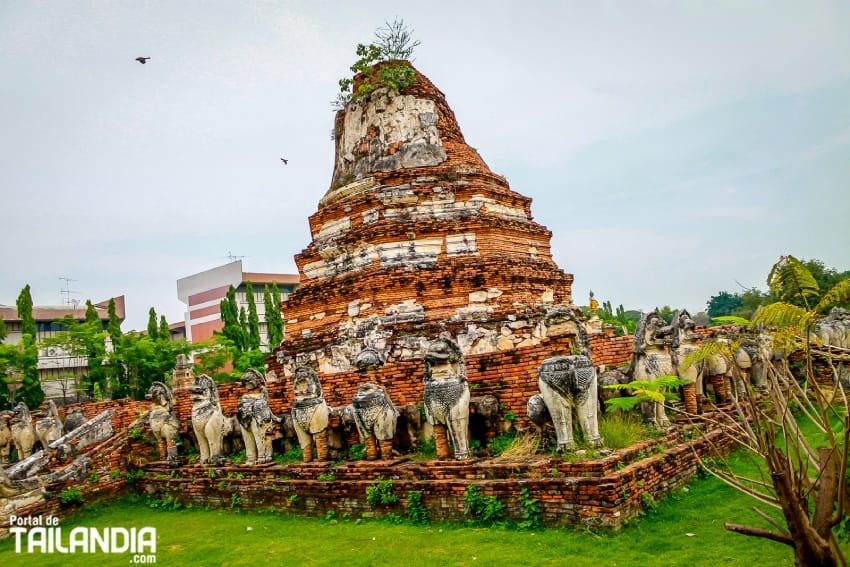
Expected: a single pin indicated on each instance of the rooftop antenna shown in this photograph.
(232, 258)
(67, 292)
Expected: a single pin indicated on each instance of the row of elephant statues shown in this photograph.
(665, 349)
(568, 385)
(23, 429)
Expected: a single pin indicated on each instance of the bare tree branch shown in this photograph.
(758, 532)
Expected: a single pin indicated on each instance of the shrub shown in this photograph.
(416, 511)
(381, 493)
(71, 495)
(483, 510)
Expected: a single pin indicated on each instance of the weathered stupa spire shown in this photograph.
(388, 132)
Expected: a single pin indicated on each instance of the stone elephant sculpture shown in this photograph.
(447, 396)
(568, 384)
(684, 343)
(376, 418)
(538, 415)
(310, 414)
(5, 437)
(73, 419)
(23, 430)
(208, 421)
(256, 419)
(164, 424)
(49, 427)
(652, 359)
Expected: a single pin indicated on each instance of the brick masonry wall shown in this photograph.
(509, 375)
(105, 474)
(606, 492)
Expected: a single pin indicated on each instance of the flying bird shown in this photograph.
(285, 161)
(142, 60)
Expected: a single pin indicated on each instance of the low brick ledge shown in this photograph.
(606, 492)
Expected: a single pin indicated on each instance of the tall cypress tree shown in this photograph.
(30, 391)
(276, 320)
(232, 328)
(114, 325)
(24, 304)
(253, 318)
(243, 324)
(153, 330)
(273, 336)
(91, 314)
(164, 331)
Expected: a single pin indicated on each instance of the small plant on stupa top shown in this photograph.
(394, 45)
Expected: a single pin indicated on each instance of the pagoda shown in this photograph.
(416, 236)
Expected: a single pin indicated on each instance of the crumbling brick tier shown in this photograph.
(605, 492)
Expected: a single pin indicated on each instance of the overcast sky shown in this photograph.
(675, 149)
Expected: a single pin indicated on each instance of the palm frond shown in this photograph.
(839, 293)
(790, 280)
(783, 316)
(706, 350)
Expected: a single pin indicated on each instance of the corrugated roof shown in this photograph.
(50, 313)
(257, 278)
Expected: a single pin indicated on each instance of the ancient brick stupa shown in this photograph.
(416, 236)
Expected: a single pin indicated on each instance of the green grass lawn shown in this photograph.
(685, 529)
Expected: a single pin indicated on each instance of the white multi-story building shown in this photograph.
(202, 293)
(59, 371)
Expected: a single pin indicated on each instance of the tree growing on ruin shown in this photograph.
(393, 47)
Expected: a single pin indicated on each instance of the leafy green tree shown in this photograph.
(153, 330)
(826, 278)
(144, 360)
(8, 361)
(214, 356)
(253, 319)
(84, 340)
(164, 332)
(30, 391)
(792, 283)
(723, 304)
(3, 331)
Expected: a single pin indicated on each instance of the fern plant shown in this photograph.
(658, 390)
